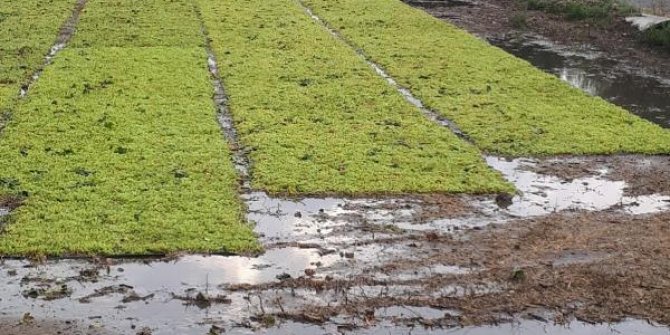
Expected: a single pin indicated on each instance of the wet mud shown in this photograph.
(644, 175)
(28, 325)
(419, 264)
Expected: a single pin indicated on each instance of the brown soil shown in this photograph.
(10, 202)
(442, 206)
(428, 206)
(494, 18)
(644, 175)
(597, 267)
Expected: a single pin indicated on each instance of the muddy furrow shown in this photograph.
(225, 118)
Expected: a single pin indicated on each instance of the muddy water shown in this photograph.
(342, 239)
(644, 95)
(521, 327)
(545, 194)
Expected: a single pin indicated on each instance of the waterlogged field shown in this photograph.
(161, 132)
(317, 117)
(117, 151)
(27, 31)
(503, 103)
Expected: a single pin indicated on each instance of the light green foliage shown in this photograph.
(319, 120)
(117, 151)
(28, 28)
(7, 93)
(138, 23)
(503, 103)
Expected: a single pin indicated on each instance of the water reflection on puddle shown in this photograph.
(520, 327)
(644, 95)
(542, 194)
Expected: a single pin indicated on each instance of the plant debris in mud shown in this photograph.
(27, 31)
(47, 293)
(597, 267)
(644, 175)
(604, 265)
(129, 295)
(502, 103)
(316, 119)
(96, 146)
(202, 300)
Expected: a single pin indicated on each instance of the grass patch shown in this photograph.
(503, 103)
(318, 120)
(519, 20)
(7, 94)
(117, 151)
(133, 23)
(658, 35)
(599, 10)
(115, 156)
(27, 31)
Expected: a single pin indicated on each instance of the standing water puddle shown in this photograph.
(340, 239)
(644, 95)
(521, 327)
(542, 194)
